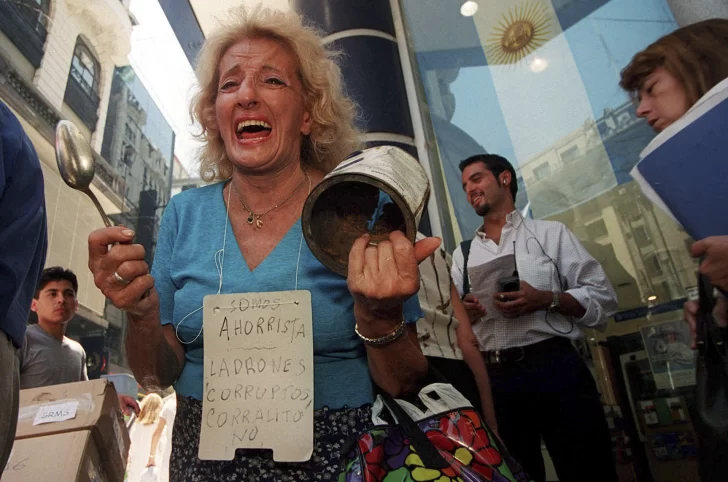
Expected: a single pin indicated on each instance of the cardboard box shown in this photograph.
(84, 406)
(71, 456)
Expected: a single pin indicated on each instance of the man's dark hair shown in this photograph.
(56, 273)
(495, 164)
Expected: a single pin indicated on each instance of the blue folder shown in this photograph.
(689, 172)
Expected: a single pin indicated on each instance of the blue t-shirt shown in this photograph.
(192, 231)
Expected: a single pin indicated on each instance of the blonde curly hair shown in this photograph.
(333, 135)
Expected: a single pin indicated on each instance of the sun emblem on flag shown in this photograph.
(518, 32)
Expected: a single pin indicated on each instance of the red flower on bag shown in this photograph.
(373, 457)
(366, 442)
(441, 441)
(463, 430)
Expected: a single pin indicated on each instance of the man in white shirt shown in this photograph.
(541, 388)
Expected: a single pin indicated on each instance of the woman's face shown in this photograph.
(663, 99)
(260, 109)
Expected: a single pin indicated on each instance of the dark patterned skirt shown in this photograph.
(332, 430)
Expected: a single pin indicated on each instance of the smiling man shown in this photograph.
(541, 388)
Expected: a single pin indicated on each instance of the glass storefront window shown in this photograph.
(537, 81)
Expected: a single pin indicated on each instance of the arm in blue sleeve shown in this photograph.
(162, 261)
(412, 310)
(23, 231)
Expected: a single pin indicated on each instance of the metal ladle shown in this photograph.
(76, 162)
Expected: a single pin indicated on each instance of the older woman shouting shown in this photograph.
(274, 121)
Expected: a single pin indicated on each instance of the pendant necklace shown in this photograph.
(257, 218)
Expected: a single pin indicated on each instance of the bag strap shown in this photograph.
(465, 248)
(428, 453)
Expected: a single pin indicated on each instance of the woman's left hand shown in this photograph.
(382, 277)
(715, 265)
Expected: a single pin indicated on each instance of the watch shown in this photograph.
(555, 305)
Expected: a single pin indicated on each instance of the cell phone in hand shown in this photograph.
(509, 284)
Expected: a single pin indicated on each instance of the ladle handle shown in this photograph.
(107, 221)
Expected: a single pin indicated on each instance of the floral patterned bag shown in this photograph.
(452, 446)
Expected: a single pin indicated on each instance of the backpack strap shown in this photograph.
(465, 248)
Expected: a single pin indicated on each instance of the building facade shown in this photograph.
(138, 141)
(59, 60)
(181, 179)
(139, 145)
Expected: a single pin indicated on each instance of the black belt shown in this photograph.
(518, 353)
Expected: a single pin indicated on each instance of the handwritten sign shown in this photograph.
(58, 412)
(258, 388)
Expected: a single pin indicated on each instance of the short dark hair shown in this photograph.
(56, 273)
(495, 164)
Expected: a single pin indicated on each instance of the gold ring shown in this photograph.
(372, 244)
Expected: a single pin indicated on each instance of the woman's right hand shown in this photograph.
(111, 255)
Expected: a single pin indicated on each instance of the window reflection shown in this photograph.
(572, 134)
(555, 110)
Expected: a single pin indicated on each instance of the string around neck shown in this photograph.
(219, 258)
(220, 261)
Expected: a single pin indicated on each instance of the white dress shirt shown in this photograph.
(581, 276)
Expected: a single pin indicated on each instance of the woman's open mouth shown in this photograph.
(253, 130)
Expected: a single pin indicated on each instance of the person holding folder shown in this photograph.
(667, 79)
